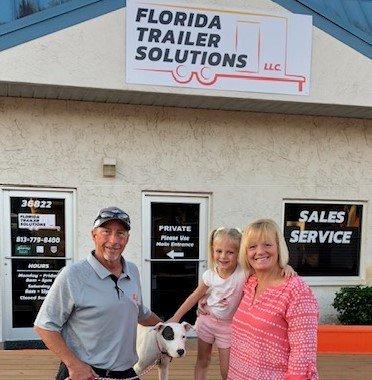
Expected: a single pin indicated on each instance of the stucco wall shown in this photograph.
(248, 161)
(92, 55)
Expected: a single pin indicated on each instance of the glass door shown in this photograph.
(174, 249)
(38, 241)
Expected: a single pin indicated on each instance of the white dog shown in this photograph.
(160, 344)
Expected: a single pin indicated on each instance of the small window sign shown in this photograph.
(37, 226)
(324, 239)
(174, 230)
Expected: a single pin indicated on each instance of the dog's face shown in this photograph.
(172, 337)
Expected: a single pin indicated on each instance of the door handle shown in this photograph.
(38, 257)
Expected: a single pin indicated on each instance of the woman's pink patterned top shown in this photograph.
(275, 336)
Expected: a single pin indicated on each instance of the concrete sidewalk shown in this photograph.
(41, 365)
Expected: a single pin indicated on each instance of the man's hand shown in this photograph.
(77, 369)
(81, 371)
(152, 320)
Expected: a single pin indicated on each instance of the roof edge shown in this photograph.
(335, 30)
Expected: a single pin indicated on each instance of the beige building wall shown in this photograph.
(92, 55)
(249, 162)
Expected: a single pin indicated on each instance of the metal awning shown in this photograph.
(182, 100)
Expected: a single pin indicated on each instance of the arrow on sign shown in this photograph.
(173, 254)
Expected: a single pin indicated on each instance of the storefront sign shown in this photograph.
(257, 51)
(174, 230)
(324, 239)
(37, 227)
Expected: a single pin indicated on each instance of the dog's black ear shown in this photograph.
(168, 333)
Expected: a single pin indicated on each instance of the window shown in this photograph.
(324, 238)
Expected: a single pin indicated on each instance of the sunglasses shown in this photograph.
(114, 214)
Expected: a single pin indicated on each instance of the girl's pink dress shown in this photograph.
(275, 336)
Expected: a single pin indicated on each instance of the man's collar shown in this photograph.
(102, 271)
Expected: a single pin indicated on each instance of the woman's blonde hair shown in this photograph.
(258, 231)
(234, 234)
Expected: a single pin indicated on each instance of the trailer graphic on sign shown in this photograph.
(224, 50)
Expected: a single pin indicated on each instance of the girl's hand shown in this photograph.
(202, 309)
(288, 271)
(223, 302)
(173, 319)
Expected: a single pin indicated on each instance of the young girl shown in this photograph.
(218, 295)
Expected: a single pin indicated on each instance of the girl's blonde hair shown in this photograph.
(258, 231)
(234, 234)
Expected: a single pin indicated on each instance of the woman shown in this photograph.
(274, 333)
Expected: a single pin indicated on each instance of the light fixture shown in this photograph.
(109, 167)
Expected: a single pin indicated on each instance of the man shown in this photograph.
(89, 317)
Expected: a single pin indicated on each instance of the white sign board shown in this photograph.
(170, 45)
(37, 221)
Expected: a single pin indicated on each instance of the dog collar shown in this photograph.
(161, 352)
